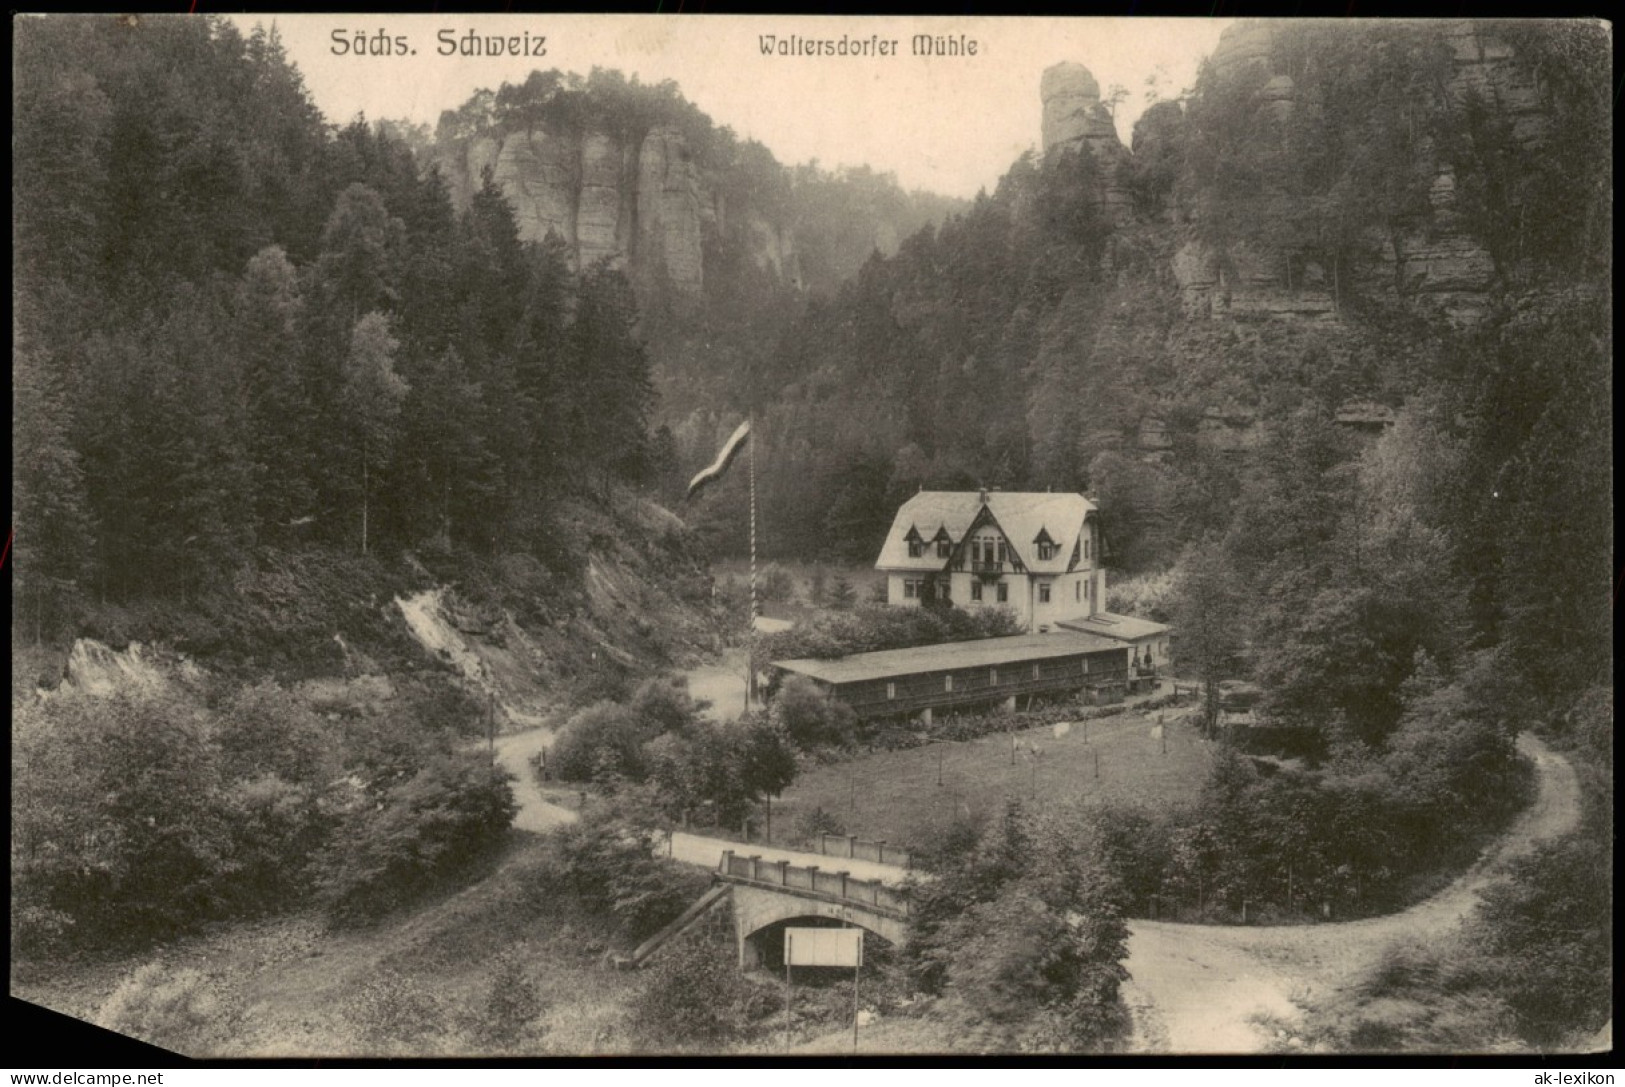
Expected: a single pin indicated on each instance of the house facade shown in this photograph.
(1036, 555)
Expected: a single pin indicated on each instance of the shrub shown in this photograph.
(277, 828)
(180, 1010)
(607, 864)
(1150, 596)
(812, 718)
(604, 735)
(812, 825)
(775, 583)
(1025, 932)
(1548, 930)
(265, 729)
(391, 1011)
(512, 1003)
(607, 738)
(429, 828)
(842, 596)
(694, 998)
(120, 834)
(728, 767)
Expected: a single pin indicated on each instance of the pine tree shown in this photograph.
(268, 315)
(372, 397)
(53, 533)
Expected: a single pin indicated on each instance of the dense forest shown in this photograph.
(239, 331)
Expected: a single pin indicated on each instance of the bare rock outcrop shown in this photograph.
(598, 207)
(640, 204)
(669, 203)
(1441, 268)
(1075, 117)
(539, 173)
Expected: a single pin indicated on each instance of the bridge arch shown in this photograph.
(761, 914)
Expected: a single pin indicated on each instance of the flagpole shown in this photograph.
(750, 645)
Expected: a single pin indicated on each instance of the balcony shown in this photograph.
(987, 569)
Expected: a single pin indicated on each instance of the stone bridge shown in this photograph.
(768, 894)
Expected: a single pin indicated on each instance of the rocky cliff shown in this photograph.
(1438, 265)
(1251, 282)
(639, 203)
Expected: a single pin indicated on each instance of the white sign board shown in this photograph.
(823, 947)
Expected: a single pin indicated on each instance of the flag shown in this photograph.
(716, 468)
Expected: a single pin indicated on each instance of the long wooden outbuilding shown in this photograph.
(988, 671)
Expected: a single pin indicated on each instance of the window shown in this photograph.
(1004, 593)
(891, 690)
(992, 677)
(915, 549)
(1000, 551)
(1086, 547)
(912, 587)
(946, 590)
(1043, 593)
(948, 682)
(1046, 551)
(976, 590)
(944, 549)
(1077, 590)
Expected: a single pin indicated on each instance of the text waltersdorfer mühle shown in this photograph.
(920, 45)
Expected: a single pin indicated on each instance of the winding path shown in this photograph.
(1197, 988)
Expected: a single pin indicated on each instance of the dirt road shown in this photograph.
(514, 751)
(1196, 988)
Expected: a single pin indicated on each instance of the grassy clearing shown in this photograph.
(894, 795)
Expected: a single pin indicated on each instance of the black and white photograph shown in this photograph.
(790, 537)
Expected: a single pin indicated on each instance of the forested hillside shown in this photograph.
(1407, 218)
(254, 353)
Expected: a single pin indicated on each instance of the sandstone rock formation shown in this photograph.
(668, 205)
(1074, 117)
(1441, 268)
(639, 204)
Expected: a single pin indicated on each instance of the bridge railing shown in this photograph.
(814, 879)
(850, 845)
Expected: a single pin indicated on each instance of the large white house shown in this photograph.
(1035, 554)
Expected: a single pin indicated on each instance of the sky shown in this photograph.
(947, 124)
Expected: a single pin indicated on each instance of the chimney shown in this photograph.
(982, 494)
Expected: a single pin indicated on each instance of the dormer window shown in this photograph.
(915, 549)
(1046, 551)
(944, 547)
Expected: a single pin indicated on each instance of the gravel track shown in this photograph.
(1197, 988)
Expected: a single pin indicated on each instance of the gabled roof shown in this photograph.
(1122, 628)
(1022, 515)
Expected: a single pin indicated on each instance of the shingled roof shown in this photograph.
(1021, 515)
